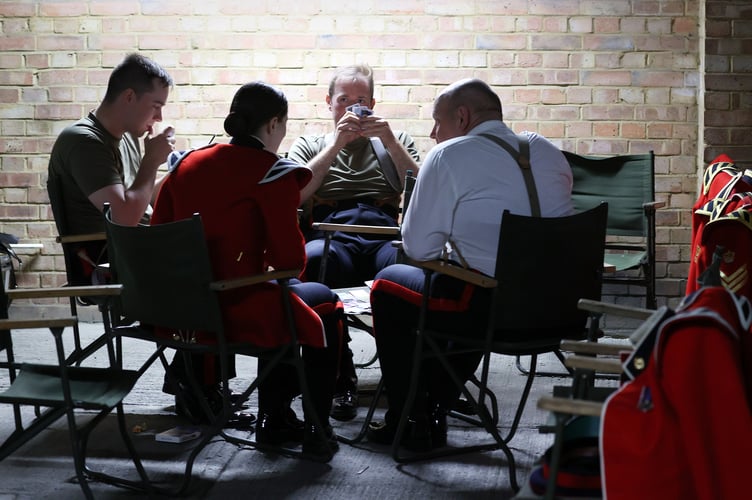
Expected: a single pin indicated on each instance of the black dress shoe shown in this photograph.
(279, 428)
(318, 447)
(187, 405)
(241, 421)
(416, 437)
(345, 406)
(438, 423)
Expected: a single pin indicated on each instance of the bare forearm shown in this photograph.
(402, 159)
(128, 205)
(319, 166)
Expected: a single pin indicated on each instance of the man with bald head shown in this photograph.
(465, 184)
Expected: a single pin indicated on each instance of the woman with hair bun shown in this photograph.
(248, 197)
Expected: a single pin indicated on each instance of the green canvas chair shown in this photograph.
(627, 184)
(61, 389)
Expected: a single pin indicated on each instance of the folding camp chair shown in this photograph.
(584, 402)
(167, 282)
(76, 249)
(61, 389)
(544, 266)
(627, 184)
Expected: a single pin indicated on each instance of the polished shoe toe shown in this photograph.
(320, 444)
(345, 406)
(438, 423)
(279, 428)
(241, 420)
(416, 437)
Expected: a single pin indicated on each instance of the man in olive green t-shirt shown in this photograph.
(358, 173)
(97, 160)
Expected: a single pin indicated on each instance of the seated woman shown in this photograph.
(247, 197)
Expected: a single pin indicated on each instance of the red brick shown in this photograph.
(633, 130)
(617, 78)
(606, 129)
(119, 8)
(17, 42)
(607, 25)
(556, 42)
(658, 78)
(17, 9)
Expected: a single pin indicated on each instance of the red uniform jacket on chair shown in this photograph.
(682, 429)
(247, 198)
(730, 227)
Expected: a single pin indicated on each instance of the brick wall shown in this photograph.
(596, 77)
(728, 80)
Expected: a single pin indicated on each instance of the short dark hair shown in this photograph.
(136, 72)
(362, 70)
(253, 105)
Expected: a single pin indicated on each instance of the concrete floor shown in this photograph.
(43, 467)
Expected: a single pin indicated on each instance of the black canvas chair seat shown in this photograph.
(543, 267)
(167, 280)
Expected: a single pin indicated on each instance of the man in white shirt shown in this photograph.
(465, 184)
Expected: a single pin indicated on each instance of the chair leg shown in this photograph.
(555, 456)
(486, 419)
(526, 371)
(523, 399)
(369, 416)
(144, 485)
(491, 397)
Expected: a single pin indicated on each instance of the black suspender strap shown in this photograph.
(523, 160)
(386, 164)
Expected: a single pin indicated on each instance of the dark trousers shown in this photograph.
(320, 364)
(278, 390)
(352, 260)
(395, 318)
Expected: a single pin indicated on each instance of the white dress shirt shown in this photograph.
(465, 184)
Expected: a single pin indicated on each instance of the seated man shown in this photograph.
(97, 160)
(358, 171)
(466, 183)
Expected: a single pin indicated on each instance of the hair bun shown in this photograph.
(236, 125)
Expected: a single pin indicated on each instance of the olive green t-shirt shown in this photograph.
(84, 159)
(355, 172)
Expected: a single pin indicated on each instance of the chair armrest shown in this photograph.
(254, 280)
(651, 206)
(22, 323)
(441, 266)
(78, 238)
(596, 348)
(607, 308)
(64, 291)
(570, 406)
(595, 364)
(356, 228)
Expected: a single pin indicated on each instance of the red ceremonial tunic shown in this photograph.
(247, 198)
(721, 216)
(682, 429)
